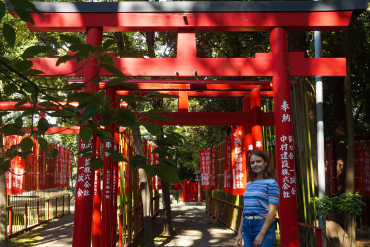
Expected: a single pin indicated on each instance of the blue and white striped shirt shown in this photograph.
(258, 195)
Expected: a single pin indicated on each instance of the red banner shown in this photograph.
(228, 179)
(214, 166)
(238, 161)
(205, 168)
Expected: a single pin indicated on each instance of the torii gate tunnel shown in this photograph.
(187, 18)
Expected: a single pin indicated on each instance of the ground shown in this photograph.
(193, 227)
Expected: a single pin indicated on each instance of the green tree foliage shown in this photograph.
(42, 92)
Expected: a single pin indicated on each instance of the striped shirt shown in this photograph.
(258, 195)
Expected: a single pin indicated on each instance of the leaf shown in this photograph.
(161, 95)
(113, 70)
(46, 104)
(128, 54)
(2, 10)
(115, 81)
(62, 113)
(9, 34)
(161, 150)
(24, 65)
(86, 133)
(43, 144)
(82, 47)
(9, 89)
(4, 166)
(166, 173)
(103, 134)
(19, 122)
(34, 72)
(105, 58)
(79, 97)
(28, 112)
(108, 43)
(85, 150)
(20, 103)
(28, 87)
(166, 161)
(117, 157)
(130, 85)
(70, 39)
(75, 86)
(54, 153)
(90, 112)
(152, 128)
(137, 160)
(96, 163)
(4, 113)
(149, 170)
(64, 59)
(126, 116)
(24, 15)
(43, 125)
(33, 51)
(26, 144)
(155, 117)
(9, 129)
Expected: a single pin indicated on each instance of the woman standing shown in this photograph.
(261, 199)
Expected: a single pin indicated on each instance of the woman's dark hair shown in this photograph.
(269, 171)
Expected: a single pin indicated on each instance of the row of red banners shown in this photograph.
(223, 167)
(40, 171)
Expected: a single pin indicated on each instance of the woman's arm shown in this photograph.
(239, 238)
(269, 219)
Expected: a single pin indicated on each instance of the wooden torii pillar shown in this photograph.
(188, 18)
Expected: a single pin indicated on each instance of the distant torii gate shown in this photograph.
(187, 18)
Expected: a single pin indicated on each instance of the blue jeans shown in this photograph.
(251, 228)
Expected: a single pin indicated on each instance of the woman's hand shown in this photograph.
(258, 240)
(239, 240)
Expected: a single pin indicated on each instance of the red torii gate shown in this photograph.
(187, 18)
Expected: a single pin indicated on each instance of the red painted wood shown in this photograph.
(96, 227)
(252, 21)
(84, 188)
(206, 94)
(56, 130)
(183, 102)
(186, 43)
(259, 66)
(209, 118)
(284, 140)
(247, 126)
(191, 87)
(189, 82)
(256, 120)
(187, 118)
(108, 200)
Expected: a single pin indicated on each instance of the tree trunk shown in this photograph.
(350, 167)
(167, 214)
(4, 240)
(144, 190)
